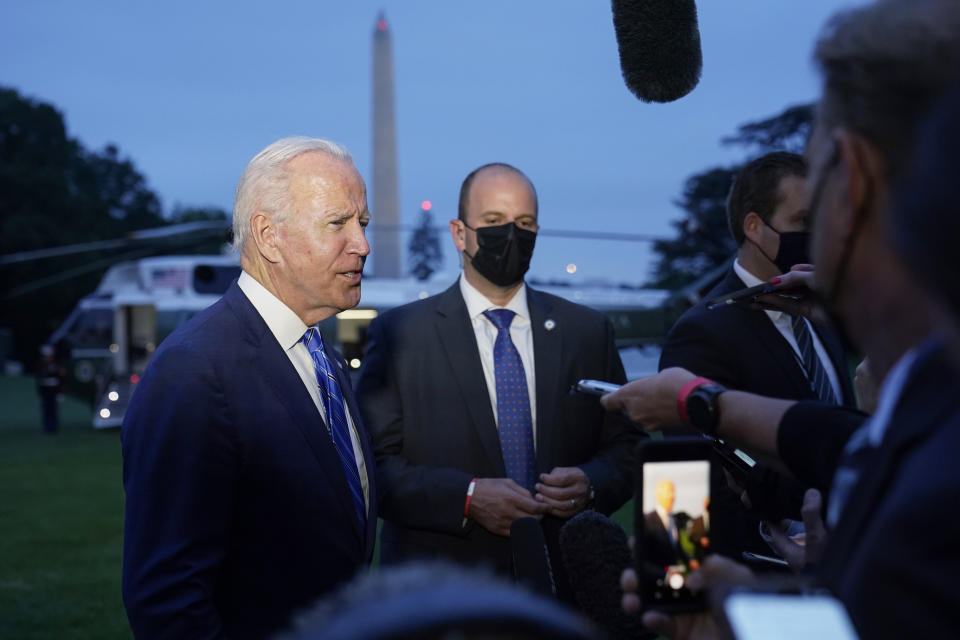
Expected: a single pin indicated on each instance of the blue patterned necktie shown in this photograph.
(333, 406)
(513, 403)
(816, 373)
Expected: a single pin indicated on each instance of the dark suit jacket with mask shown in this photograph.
(238, 513)
(424, 398)
(741, 349)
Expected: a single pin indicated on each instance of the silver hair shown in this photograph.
(265, 183)
(883, 66)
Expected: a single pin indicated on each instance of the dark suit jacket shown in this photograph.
(423, 396)
(658, 548)
(893, 557)
(237, 509)
(741, 349)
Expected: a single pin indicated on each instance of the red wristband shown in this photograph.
(685, 391)
(466, 505)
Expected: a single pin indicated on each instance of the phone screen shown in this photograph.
(758, 616)
(675, 530)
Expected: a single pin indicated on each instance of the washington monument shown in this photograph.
(386, 214)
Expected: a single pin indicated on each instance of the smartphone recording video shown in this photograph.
(673, 526)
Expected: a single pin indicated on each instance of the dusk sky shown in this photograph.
(190, 91)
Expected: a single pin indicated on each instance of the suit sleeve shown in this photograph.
(811, 438)
(410, 495)
(179, 471)
(692, 345)
(611, 470)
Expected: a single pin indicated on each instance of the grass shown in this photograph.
(61, 509)
(61, 522)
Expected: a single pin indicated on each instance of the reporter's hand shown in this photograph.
(565, 491)
(687, 626)
(793, 294)
(650, 401)
(797, 555)
(497, 502)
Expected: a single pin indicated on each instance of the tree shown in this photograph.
(703, 240)
(425, 250)
(54, 192)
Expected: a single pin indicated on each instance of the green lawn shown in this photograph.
(61, 522)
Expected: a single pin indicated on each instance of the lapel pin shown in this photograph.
(549, 325)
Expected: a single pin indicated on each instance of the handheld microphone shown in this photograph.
(595, 553)
(531, 563)
(659, 44)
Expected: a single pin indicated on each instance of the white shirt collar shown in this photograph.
(285, 325)
(477, 303)
(751, 280)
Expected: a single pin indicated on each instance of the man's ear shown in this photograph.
(753, 227)
(263, 230)
(459, 234)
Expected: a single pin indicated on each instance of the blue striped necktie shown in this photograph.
(333, 406)
(514, 421)
(816, 373)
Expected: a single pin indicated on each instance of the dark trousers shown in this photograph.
(48, 407)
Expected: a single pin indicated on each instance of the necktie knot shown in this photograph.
(312, 340)
(501, 318)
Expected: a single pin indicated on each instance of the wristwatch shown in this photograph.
(699, 404)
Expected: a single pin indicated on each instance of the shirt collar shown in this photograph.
(477, 303)
(285, 325)
(751, 280)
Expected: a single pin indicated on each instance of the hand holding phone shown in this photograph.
(595, 387)
(672, 521)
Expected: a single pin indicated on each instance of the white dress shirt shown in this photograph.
(784, 324)
(287, 327)
(486, 333)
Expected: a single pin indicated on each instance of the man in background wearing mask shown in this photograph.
(769, 353)
(467, 396)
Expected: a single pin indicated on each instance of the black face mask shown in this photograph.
(503, 253)
(794, 249)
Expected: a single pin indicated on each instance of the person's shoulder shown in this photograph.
(413, 312)
(210, 331)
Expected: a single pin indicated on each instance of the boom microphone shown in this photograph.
(659, 44)
(595, 553)
(531, 562)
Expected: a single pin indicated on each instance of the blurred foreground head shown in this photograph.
(925, 219)
(437, 601)
(883, 66)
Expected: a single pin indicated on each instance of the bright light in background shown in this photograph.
(355, 363)
(571, 268)
(426, 205)
(114, 396)
(358, 314)
(104, 413)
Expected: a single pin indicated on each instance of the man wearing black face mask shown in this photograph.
(466, 394)
(769, 353)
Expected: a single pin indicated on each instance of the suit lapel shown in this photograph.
(760, 327)
(780, 351)
(459, 342)
(547, 345)
(295, 399)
